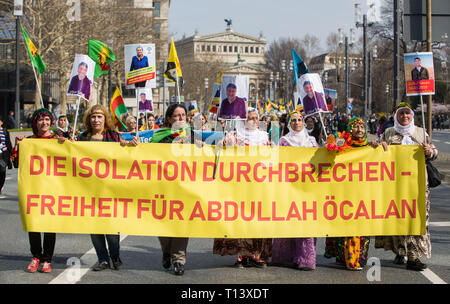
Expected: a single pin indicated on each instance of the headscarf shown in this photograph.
(360, 142)
(297, 139)
(406, 131)
(67, 125)
(252, 137)
(39, 114)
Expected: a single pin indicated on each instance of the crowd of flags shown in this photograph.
(103, 56)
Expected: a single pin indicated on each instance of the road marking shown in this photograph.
(447, 142)
(88, 259)
(432, 277)
(436, 140)
(440, 224)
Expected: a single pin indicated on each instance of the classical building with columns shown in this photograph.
(241, 54)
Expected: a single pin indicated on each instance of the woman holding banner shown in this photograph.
(298, 251)
(100, 128)
(250, 252)
(131, 124)
(42, 120)
(176, 130)
(351, 251)
(405, 132)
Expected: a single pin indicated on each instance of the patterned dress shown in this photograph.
(350, 251)
(299, 252)
(411, 246)
(259, 250)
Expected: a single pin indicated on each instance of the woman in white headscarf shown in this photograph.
(63, 127)
(249, 252)
(300, 252)
(405, 132)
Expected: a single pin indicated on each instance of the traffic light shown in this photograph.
(338, 78)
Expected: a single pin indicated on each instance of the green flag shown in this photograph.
(102, 56)
(35, 57)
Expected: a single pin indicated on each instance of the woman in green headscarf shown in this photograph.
(351, 251)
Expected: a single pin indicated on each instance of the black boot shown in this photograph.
(416, 265)
(399, 260)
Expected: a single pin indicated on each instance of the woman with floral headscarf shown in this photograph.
(405, 132)
(298, 251)
(42, 120)
(351, 251)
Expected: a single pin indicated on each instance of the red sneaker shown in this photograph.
(33, 266)
(46, 267)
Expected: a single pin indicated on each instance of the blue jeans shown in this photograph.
(99, 241)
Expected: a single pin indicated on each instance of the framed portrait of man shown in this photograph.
(234, 98)
(81, 76)
(144, 98)
(419, 73)
(311, 94)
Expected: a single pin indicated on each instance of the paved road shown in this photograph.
(441, 140)
(142, 256)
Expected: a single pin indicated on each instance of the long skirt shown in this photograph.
(257, 249)
(350, 251)
(410, 246)
(299, 251)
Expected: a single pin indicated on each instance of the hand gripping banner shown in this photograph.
(259, 192)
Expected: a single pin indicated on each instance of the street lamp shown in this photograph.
(271, 85)
(343, 40)
(277, 78)
(364, 24)
(285, 70)
(374, 56)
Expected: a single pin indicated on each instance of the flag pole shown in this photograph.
(178, 86)
(37, 84)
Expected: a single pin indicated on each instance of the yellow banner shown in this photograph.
(169, 190)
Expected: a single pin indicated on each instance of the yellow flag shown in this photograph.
(173, 66)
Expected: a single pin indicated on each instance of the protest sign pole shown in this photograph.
(423, 118)
(76, 117)
(178, 87)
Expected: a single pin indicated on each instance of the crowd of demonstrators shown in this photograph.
(285, 130)
(440, 122)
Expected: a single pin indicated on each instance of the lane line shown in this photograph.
(439, 224)
(88, 260)
(432, 277)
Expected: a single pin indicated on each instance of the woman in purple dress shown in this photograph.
(298, 252)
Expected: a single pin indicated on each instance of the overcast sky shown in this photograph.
(275, 18)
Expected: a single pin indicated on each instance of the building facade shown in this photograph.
(238, 53)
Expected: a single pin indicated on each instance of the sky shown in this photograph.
(274, 18)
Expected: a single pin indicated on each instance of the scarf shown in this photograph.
(406, 131)
(300, 138)
(67, 125)
(252, 137)
(165, 132)
(359, 142)
(39, 114)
